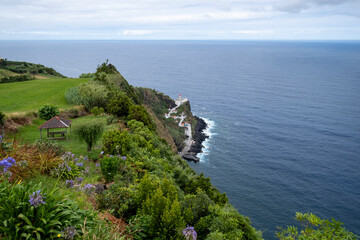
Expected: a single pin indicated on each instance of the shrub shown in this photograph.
(314, 227)
(69, 168)
(87, 75)
(93, 94)
(116, 142)
(90, 132)
(30, 211)
(48, 111)
(106, 67)
(110, 167)
(119, 106)
(97, 111)
(140, 114)
(72, 96)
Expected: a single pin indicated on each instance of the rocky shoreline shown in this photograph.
(199, 138)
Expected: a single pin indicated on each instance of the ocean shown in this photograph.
(284, 116)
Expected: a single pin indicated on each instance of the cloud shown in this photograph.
(296, 6)
(137, 32)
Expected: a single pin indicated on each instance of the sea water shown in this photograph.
(284, 116)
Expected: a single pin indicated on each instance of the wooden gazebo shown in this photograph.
(56, 122)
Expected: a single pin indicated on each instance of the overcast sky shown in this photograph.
(185, 19)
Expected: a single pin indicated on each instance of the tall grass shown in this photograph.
(72, 96)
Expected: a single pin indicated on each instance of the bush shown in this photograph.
(30, 211)
(97, 111)
(110, 167)
(48, 111)
(93, 94)
(313, 228)
(90, 132)
(72, 96)
(119, 106)
(116, 142)
(140, 114)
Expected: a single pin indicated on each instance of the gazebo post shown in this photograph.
(40, 134)
(67, 137)
(47, 132)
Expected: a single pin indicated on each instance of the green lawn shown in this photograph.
(31, 95)
(30, 133)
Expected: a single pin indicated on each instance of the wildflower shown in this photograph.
(102, 152)
(86, 158)
(0, 138)
(87, 171)
(189, 233)
(69, 232)
(123, 158)
(76, 159)
(97, 165)
(79, 164)
(79, 179)
(88, 189)
(7, 163)
(36, 199)
(72, 155)
(59, 235)
(69, 183)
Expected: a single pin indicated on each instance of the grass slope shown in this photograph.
(31, 95)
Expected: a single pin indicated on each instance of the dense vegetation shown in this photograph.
(135, 188)
(12, 71)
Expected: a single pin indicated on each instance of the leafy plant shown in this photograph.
(30, 211)
(48, 111)
(93, 94)
(315, 228)
(72, 96)
(119, 106)
(90, 132)
(110, 167)
(97, 111)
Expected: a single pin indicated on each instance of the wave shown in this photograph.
(208, 131)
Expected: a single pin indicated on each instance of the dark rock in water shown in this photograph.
(100, 188)
(190, 158)
(199, 136)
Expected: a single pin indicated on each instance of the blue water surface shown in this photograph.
(286, 134)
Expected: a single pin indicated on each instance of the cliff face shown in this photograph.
(158, 104)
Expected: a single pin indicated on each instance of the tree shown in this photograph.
(119, 106)
(90, 132)
(48, 111)
(315, 228)
(140, 114)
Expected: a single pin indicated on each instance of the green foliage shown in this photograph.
(90, 132)
(48, 111)
(119, 106)
(110, 167)
(87, 75)
(315, 228)
(19, 219)
(2, 118)
(72, 96)
(17, 78)
(140, 114)
(106, 67)
(97, 111)
(93, 94)
(116, 142)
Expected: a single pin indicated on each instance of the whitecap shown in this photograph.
(208, 131)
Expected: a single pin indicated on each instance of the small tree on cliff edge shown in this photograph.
(90, 132)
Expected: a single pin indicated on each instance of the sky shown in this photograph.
(185, 19)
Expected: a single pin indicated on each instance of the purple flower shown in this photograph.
(36, 199)
(76, 159)
(102, 152)
(79, 179)
(69, 232)
(79, 164)
(123, 158)
(72, 155)
(86, 158)
(97, 165)
(0, 138)
(7, 163)
(189, 233)
(88, 189)
(70, 183)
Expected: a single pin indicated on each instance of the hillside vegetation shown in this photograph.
(12, 71)
(137, 187)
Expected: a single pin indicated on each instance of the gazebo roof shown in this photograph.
(56, 122)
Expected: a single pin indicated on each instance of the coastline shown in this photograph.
(198, 139)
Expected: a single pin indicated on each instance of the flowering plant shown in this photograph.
(189, 233)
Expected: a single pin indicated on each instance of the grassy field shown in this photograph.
(31, 95)
(30, 133)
